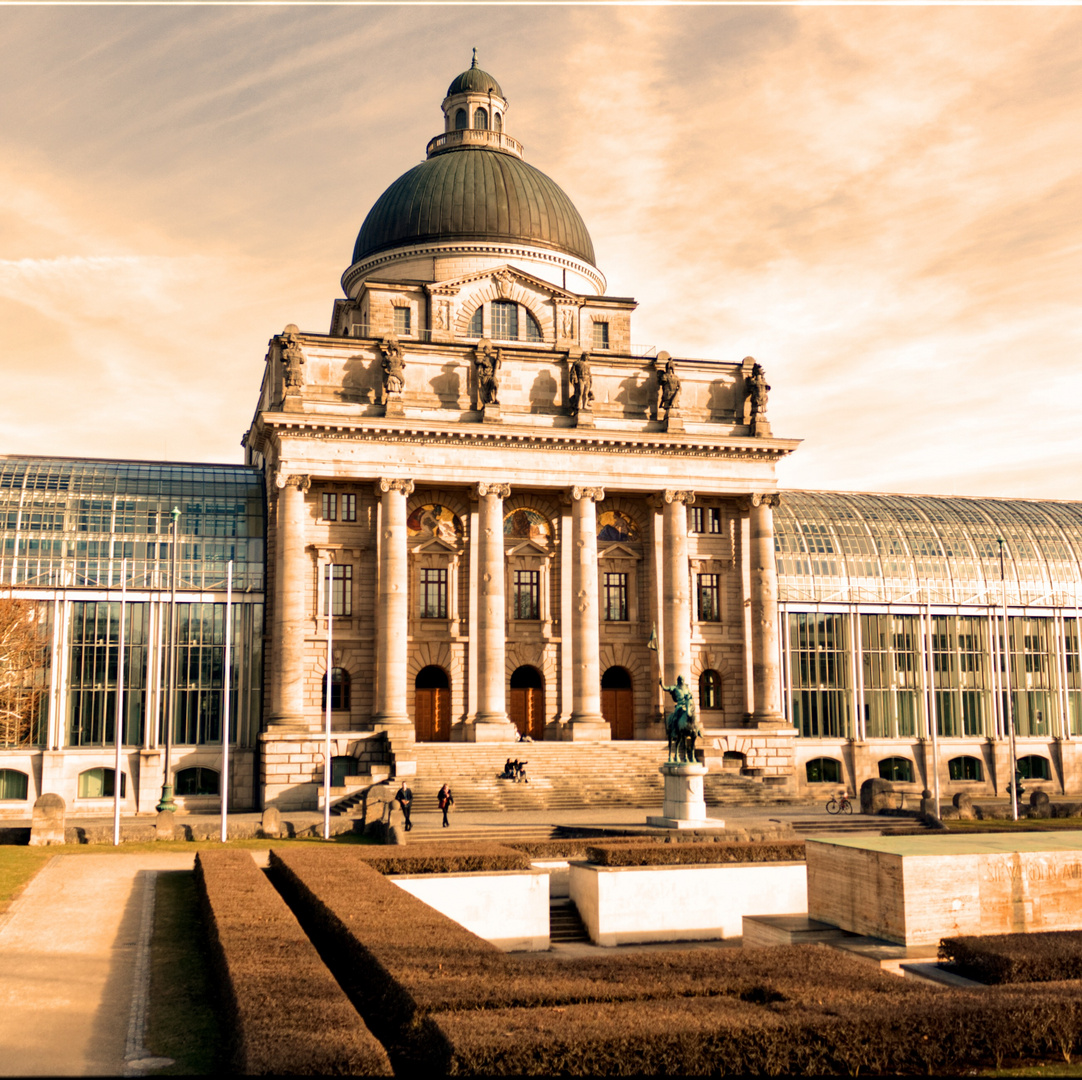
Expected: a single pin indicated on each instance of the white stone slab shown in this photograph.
(623, 904)
(509, 908)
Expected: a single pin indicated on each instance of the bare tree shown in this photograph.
(22, 668)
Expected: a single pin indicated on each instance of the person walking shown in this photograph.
(404, 798)
(445, 800)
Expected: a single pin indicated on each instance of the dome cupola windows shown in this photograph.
(473, 114)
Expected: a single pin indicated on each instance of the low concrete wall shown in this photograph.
(623, 904)
(509, 908)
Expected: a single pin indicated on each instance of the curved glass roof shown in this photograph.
(859, 548)
(69, 522)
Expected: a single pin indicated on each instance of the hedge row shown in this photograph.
(694, 854)
(286, 1012)
(935, 1032)
(443, 858)
(1013, 958)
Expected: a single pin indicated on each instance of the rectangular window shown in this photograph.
(616, 597)
(697, 519)
(709, 600)
(713, 519)
(433, 594)
(341, 590)
(330, 506)
(601, 335)
(527, 598)
(705, 519)
(505, 320)
(349, 507)
(402, 321)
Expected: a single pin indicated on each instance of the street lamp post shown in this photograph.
(166, 802)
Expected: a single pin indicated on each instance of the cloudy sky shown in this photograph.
(882, 205)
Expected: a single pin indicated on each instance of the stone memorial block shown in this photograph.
(877, 795)
(914, 890)
(270, 825)
(964, 805)
(47, 821)
(164, 825)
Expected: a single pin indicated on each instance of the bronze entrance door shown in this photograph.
(528, 702)
(618, 702)
(432, 706)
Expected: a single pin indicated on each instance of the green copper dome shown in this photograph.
(474, 194)
(475, 80)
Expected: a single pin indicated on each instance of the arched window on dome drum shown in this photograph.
(709, 690)
(477, 322)
(497, 122)
(533, 328)
(480, 120)
(462, 120)
(504, 320)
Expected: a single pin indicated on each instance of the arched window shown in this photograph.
(99, 784)
(432, 705)
(533, 328)
(339, 690)
(1034, 767)
(823, 770)
(896, 768)
(462, 120)
(504, 320)
(477, 322)
(709, 690)
(480, 120)
(497, 122)
(198, 781)
(527, 705)
(13, 784)
(965, 768)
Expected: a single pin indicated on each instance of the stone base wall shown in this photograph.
(769, 754)
(292, 763)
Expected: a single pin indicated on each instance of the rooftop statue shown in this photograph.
(757, 391)
(682, 727)
(581, 382)
(487, 362)
(668, 382)
(292, 358)
(394, 367)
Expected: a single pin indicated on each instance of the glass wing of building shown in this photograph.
(68, 523)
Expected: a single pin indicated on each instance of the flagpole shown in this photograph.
(225, 696)
(330, 693)
(119, 722)
(1009, 710)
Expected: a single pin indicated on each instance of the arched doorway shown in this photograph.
(617, 702)
(528, 702)
(432, 705)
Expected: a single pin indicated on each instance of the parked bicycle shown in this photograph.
(839, 804)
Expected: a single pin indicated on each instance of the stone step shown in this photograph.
(565, 925)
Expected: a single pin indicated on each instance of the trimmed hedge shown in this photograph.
(286, 1012)
(443, 858)
(1051, 956)
(694, 854)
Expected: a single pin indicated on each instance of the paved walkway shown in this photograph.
(68, 950)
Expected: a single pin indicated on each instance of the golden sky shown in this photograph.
(882, 205)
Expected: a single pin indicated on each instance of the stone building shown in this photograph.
(508, 518)
(508, 498)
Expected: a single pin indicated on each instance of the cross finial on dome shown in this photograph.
(474, 64)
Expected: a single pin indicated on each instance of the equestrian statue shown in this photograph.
(682, 727)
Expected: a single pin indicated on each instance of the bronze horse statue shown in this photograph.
(682, 727)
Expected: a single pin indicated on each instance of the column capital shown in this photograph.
(501, 491)
(298, 480)
(595, 493)
(383, 485)
(771, 499)
(671, 496)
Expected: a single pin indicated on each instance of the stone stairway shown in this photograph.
(565, 925)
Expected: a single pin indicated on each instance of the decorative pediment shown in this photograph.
(529, 547)
(435, 546)
(618, 551)
(502, 280)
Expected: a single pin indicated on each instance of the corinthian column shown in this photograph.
(675, 587)
(586, 719)
(765, 671)
(392, 604)
(491, 620)
(287, 671)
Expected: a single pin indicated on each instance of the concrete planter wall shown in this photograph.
(625, 904)
(509, 908)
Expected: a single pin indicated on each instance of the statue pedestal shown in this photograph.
(674, 420)
(584, 418)
(684, 806)
(490, 414)
(394, 406)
